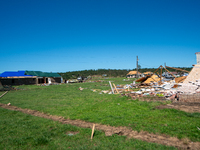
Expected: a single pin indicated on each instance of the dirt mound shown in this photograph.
(109, 130)
(187, 107)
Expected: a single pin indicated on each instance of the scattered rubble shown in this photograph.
(157, 87)
(182, 89)
(154, 91)
(80, 88)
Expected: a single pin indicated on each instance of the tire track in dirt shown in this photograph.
(109, 130)
(187, 107)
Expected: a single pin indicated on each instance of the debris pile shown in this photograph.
(189, 88)
(155, 92)
(189, 92)
(185, 88)
(80, 88)
(155, 87)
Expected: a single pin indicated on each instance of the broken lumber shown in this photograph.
(178, 69)
(92, 131)
(111, 87)
(3, 94)
(115, 88)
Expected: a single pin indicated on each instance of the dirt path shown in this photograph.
(109, 130)
(187, 107)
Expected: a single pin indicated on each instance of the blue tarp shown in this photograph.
(14, 74)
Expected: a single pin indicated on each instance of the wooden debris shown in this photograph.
(3, 94)
(92, 131)
(111, 87)
(115, 88)
(180, 79)
(80, 88)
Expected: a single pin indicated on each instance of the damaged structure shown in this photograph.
(133, 74)
(147, 73)
(184, 88)
(28, 78)
(158, 86)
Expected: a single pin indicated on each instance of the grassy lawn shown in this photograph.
(1, 92)
(67, 101)
(22, 131)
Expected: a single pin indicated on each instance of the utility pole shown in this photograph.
(137, 66)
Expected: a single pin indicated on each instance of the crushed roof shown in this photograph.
(148, 72)
(42, 74)
(133, 72)
(153, 78)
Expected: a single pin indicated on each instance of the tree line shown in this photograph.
(110, 72)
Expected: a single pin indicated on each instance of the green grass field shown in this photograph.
(67, 101)
(1, 92)
(22, 131)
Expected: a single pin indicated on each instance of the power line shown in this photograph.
(147, 65)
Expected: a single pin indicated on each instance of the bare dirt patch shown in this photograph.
(184, 106)
(109, 130)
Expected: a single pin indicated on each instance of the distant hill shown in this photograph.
(109, 72)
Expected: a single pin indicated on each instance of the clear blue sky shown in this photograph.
(70, 35)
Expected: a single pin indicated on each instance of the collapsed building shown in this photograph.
(134, 74)
(29, 77)
(191, 84)
(190, 88)
(147, 73)
(184, 88)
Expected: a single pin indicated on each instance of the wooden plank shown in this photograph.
(141, 79)
(3, 94)
(115, 88)
(92, 131)
(169, 72)
(178, 69)
(111, 87)
(157, 69)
